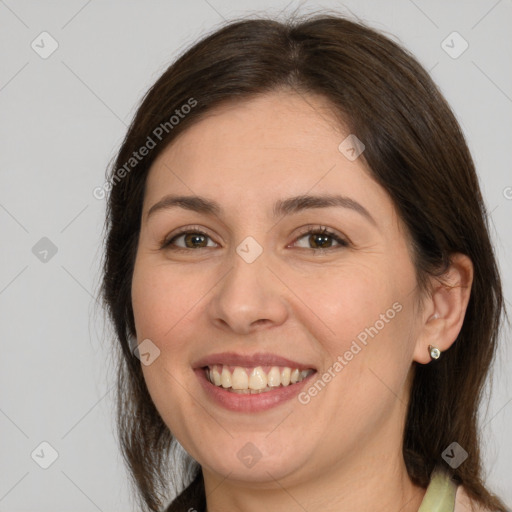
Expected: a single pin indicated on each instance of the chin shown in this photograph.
(253, 460)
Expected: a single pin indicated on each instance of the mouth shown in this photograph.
(254, 380)
(251, 383)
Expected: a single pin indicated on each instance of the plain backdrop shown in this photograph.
(66, 98)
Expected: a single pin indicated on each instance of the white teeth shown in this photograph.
(217, 380)
(258, 378)
(225, 378)
(239, 379)
(274, 377)
(254, 380)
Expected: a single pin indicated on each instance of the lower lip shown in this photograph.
(250, 402)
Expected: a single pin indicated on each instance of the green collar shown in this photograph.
(440, 495)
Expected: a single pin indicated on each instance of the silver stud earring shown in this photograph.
(435, 353)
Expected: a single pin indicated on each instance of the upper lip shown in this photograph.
(249, 360)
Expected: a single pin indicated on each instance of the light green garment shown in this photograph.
(440, 494)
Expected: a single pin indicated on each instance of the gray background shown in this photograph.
(62, 119)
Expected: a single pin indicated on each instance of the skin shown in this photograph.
(343, 449)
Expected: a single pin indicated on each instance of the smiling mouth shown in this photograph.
(254, 380)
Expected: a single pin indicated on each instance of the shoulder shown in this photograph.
(463, 502)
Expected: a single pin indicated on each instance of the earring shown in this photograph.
(435, 353)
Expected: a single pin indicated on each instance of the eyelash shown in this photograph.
(318, 230)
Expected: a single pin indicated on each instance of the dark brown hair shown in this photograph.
(415, 151)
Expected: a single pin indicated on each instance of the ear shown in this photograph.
(444, 309)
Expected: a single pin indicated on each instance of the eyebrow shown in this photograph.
(281, 207)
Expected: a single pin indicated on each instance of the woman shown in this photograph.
(300, 277)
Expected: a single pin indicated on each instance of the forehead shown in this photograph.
(263, 149)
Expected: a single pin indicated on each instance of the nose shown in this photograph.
(249, 297)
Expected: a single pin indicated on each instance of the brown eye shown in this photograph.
(192, 240)
(317, 239)
(322, 239)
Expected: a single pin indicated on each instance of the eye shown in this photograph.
(192, 238)
(322, 238)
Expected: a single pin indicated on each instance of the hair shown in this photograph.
(414, 148)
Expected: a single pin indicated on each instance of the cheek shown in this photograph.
(368, 315)
(161, 307)
(352, 303)
(161, 299)
(335, 304)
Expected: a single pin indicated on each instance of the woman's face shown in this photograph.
(258, 296)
